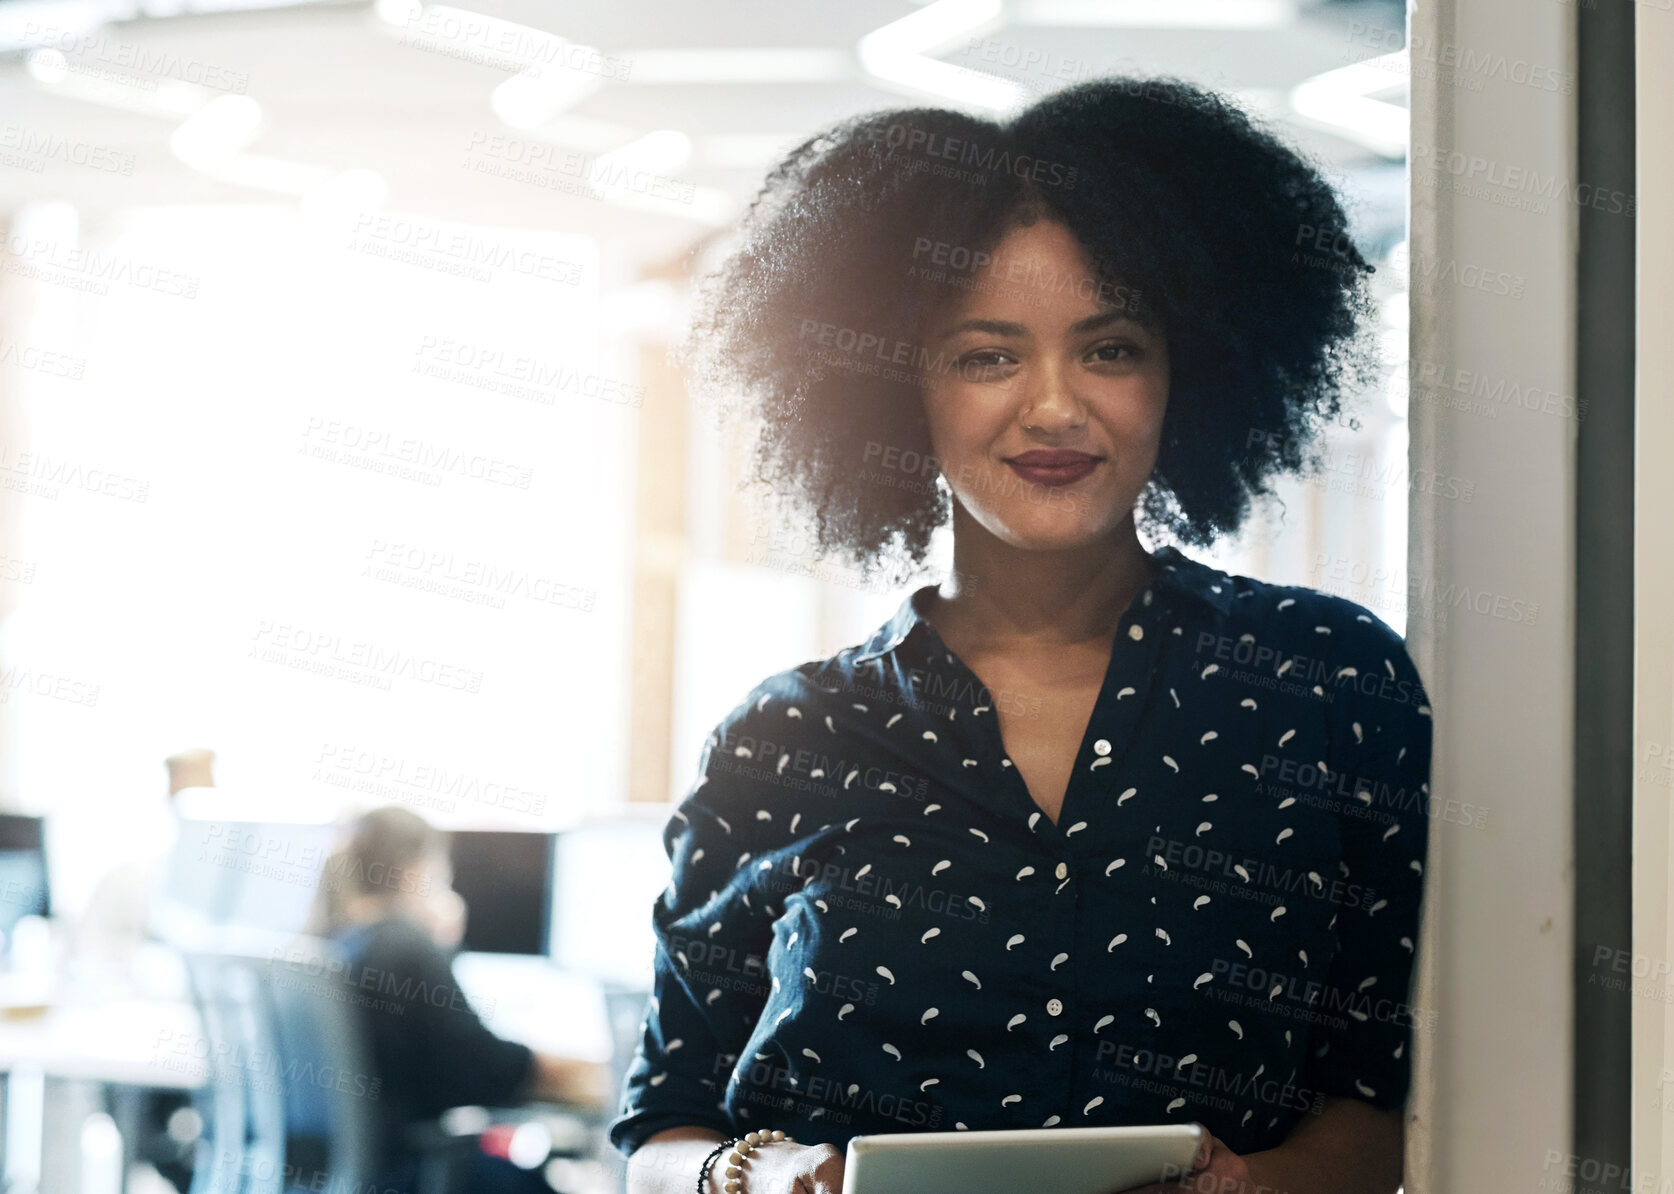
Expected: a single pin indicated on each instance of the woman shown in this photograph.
(387, 898)
(1087, 834)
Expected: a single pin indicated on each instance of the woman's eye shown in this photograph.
(1111, 352)
(983, 360)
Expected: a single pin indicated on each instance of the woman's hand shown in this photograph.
(668, 1162)
(1215, 1170)
(789, 1169)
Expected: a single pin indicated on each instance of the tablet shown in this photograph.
(1047, 1160)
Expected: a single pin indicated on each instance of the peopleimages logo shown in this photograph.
(858, 348)
(823, 1096)
(861, 891)
(1262, 880)
(1512, 177)
(84, 47)
(1021, 271)
(817, 765)
(1187, 1075)
(972, 154)
(1300, 668)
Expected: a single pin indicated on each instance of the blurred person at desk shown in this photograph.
(387, 899)
(121, 914)
(114, 950)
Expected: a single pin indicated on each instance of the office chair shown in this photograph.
(329, 1125)
(286, 1109)
(240, 1151)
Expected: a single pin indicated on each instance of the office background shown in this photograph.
(276, 423)
(338, 433)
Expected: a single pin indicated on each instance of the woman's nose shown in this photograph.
(1050, 403)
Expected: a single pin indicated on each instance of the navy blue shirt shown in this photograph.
(872, 927)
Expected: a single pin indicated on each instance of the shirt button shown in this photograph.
(1054, 1007)
(1102, 746)
(1063, 870)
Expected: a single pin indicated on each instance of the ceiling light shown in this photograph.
(899, 53)
(587, 133)
(47, 66)
(398, 12)
(1340, 101)
(279, 175)
(531, 98)
(440, 23)
(755, 65)
(172, 99)
(219, 129)
(24, 24)
(344, 196)
(548, 73)
(1158, 14)
(658, 152)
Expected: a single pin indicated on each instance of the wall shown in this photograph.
(1493, 1078)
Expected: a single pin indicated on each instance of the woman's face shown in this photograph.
(1047, 411)
(439, 906)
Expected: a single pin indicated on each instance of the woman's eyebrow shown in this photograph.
(1004, 327)
(992, 327)
(1102, 319)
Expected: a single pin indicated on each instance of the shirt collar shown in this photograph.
(1177, 574)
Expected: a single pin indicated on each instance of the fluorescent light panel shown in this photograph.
(658, 153)
(899, 52)
(787, 64)
(1158, 14)
(1339, 101)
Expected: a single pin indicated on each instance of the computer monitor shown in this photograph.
(282, 869)
(264, 875)
(247, 874)
(505, 879)
(23, 870)
(609, 874)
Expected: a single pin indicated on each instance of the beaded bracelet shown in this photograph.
(735, 1162)
(709, 1163)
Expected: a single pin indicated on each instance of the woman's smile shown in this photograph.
(1057, 467)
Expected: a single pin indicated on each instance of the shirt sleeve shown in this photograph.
(713, 930)
(1361, 1047)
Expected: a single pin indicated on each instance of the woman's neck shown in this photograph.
(1002, 596)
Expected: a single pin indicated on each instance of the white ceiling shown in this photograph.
(339, 90)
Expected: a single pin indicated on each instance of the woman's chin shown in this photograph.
(1056, 531)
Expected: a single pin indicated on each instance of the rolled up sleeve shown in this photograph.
(1362, 1046)
(713, 931)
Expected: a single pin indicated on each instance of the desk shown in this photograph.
(121, 1020)
(147, 1035)
(135, 1040)
(122, 1041)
